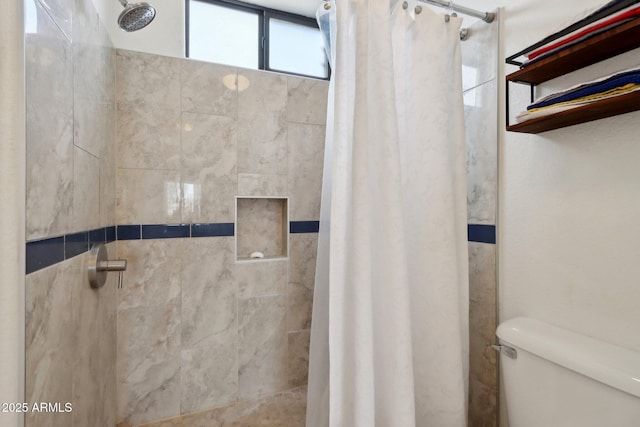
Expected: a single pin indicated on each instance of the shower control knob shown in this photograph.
(100, 265)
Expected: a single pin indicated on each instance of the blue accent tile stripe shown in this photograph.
(97, 236)
(481, 233)
(213, 230)
(129, 232)
(43, 253)
(46, 252)
(76, 244)
(110, 234)
(165, 231)
(304, 227)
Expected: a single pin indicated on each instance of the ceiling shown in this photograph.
(308, 7)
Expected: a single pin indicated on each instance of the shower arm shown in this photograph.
(124, 3)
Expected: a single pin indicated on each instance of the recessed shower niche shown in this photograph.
(262, 228)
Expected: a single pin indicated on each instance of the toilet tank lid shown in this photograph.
(615, 366)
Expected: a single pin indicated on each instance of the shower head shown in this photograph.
(135, 16)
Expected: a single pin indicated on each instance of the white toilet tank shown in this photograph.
(563, 379)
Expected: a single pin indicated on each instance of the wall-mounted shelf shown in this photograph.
(586, 113)
(615, 41)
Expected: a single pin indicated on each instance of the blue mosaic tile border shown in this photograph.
(213, 230)
(165, 231)
(296, 227)
(46, 252)
(173, 231)
(481, 233)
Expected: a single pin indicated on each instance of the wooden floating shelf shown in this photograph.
(615, 41)
(598, 110)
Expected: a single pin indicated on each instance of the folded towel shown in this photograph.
(574, 42)
(588, 17)
(616, 84)
(585, 84)
(585, 18)
(630, 87)
(601, 85)
(612, 20)
(568, 105)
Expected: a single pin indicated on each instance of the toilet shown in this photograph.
(553, 377)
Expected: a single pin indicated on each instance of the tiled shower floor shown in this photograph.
(285, 409)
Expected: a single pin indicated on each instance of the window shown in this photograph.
(296, 48)
(239, 34)
(224, 35)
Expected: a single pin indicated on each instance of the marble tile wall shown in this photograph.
(71, 345)
(70, 97)
(70, 120)
(196, 329)
(480, 61)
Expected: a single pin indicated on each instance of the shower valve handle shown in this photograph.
(100, 265)
(119, 265)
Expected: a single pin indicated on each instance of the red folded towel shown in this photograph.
(630, 14)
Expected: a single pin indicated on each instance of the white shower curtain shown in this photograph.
(389, 339)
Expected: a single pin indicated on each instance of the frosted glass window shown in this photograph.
(223, 35)
(296, 49)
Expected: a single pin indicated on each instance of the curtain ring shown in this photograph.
(327, 5)
(418, 10)
(451, 11)
(405, 5)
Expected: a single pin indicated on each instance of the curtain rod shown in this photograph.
(485, 16)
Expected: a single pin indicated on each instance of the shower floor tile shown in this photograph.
(286, 409)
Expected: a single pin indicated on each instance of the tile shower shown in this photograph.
(196, 329)
(194, 337)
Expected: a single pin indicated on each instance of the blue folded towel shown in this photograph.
(617, 80)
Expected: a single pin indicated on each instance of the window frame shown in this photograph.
(264, 17)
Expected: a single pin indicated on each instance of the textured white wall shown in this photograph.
(570, 203)
(12, 209)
